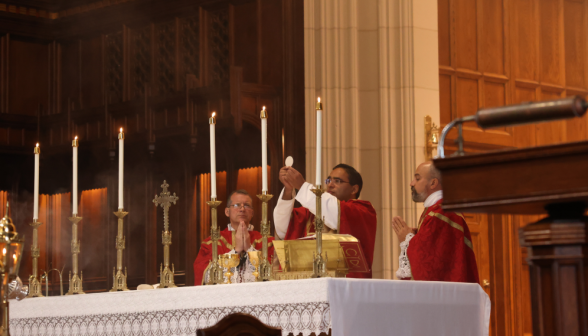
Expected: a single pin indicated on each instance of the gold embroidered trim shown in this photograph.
(454, 225)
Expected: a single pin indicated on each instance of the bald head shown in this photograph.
(427, 180)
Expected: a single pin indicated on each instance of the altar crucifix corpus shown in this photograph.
(165, 200)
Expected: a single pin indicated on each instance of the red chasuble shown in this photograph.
(356, 218)
(442, 248)
(225, 244)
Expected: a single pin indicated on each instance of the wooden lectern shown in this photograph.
(552, 180)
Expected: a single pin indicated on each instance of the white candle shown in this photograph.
(264, 150)
(121, 161)
(212, 122)
(74, 189)
(319, 138)
(36, 187)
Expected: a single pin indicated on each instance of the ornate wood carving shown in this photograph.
(141, 60)
(165, 59)
(218, 46)
(114, 67)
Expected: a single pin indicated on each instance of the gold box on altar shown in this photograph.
(342, 252)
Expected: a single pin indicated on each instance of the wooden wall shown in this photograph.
(494, 53)
(158, 69)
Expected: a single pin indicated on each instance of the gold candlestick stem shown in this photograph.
(215, 272)
(320, 263)
(265, 267)
(75, 281)
(119, 279)
(165, 199)
(35, 289)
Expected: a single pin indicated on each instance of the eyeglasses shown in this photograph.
(335, 180)
(241, 205)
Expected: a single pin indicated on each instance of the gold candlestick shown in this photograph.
(35, 289)
(75, 282)
(165, 200)
(119, 279)
(215, 272)
(320, 263)
(265, 267)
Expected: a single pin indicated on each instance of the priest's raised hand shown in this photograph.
(342, 211)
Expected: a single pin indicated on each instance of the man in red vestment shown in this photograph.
(238, 238)
(440, 248)
(342, 211)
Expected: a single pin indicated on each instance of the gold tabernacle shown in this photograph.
(297, 257)
(165, 200)
(119, 279)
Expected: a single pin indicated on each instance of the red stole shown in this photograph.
(356, 218)
(442, 248)
(225, 244)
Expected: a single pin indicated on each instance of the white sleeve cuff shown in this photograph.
(330, 205)
(282, 214)
(404, 270)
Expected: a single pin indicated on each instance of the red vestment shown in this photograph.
(224, 246)
(356, 218)
(442, 248)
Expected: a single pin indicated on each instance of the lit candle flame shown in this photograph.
(264, 107)
(121, 129)
(37, 144)
(76, 138)
(213, 114)
(319, 99)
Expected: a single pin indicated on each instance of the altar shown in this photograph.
(346, 306)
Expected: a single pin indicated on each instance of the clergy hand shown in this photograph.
(246, 236)
(287, 186)
(294, 178)
(401, 228)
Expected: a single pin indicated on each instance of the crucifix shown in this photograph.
(165, 200)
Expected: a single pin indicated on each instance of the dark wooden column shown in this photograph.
(557, 249)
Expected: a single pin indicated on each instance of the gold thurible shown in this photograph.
(165, 200)
(119, 279)
(319, 266)
(319, 105)
(35, 289)
(75, 281)
(265, 267)
(215, 271)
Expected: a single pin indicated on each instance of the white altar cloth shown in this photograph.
(348, 306)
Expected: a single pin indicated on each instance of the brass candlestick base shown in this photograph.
(265, 267)
(165, 199)
(215, 272)
(35, 289)
(75, 282)
(119, 279)
(320, 263)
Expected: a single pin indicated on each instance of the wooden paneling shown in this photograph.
(157, 70)
(495, 53)
(28, 77)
